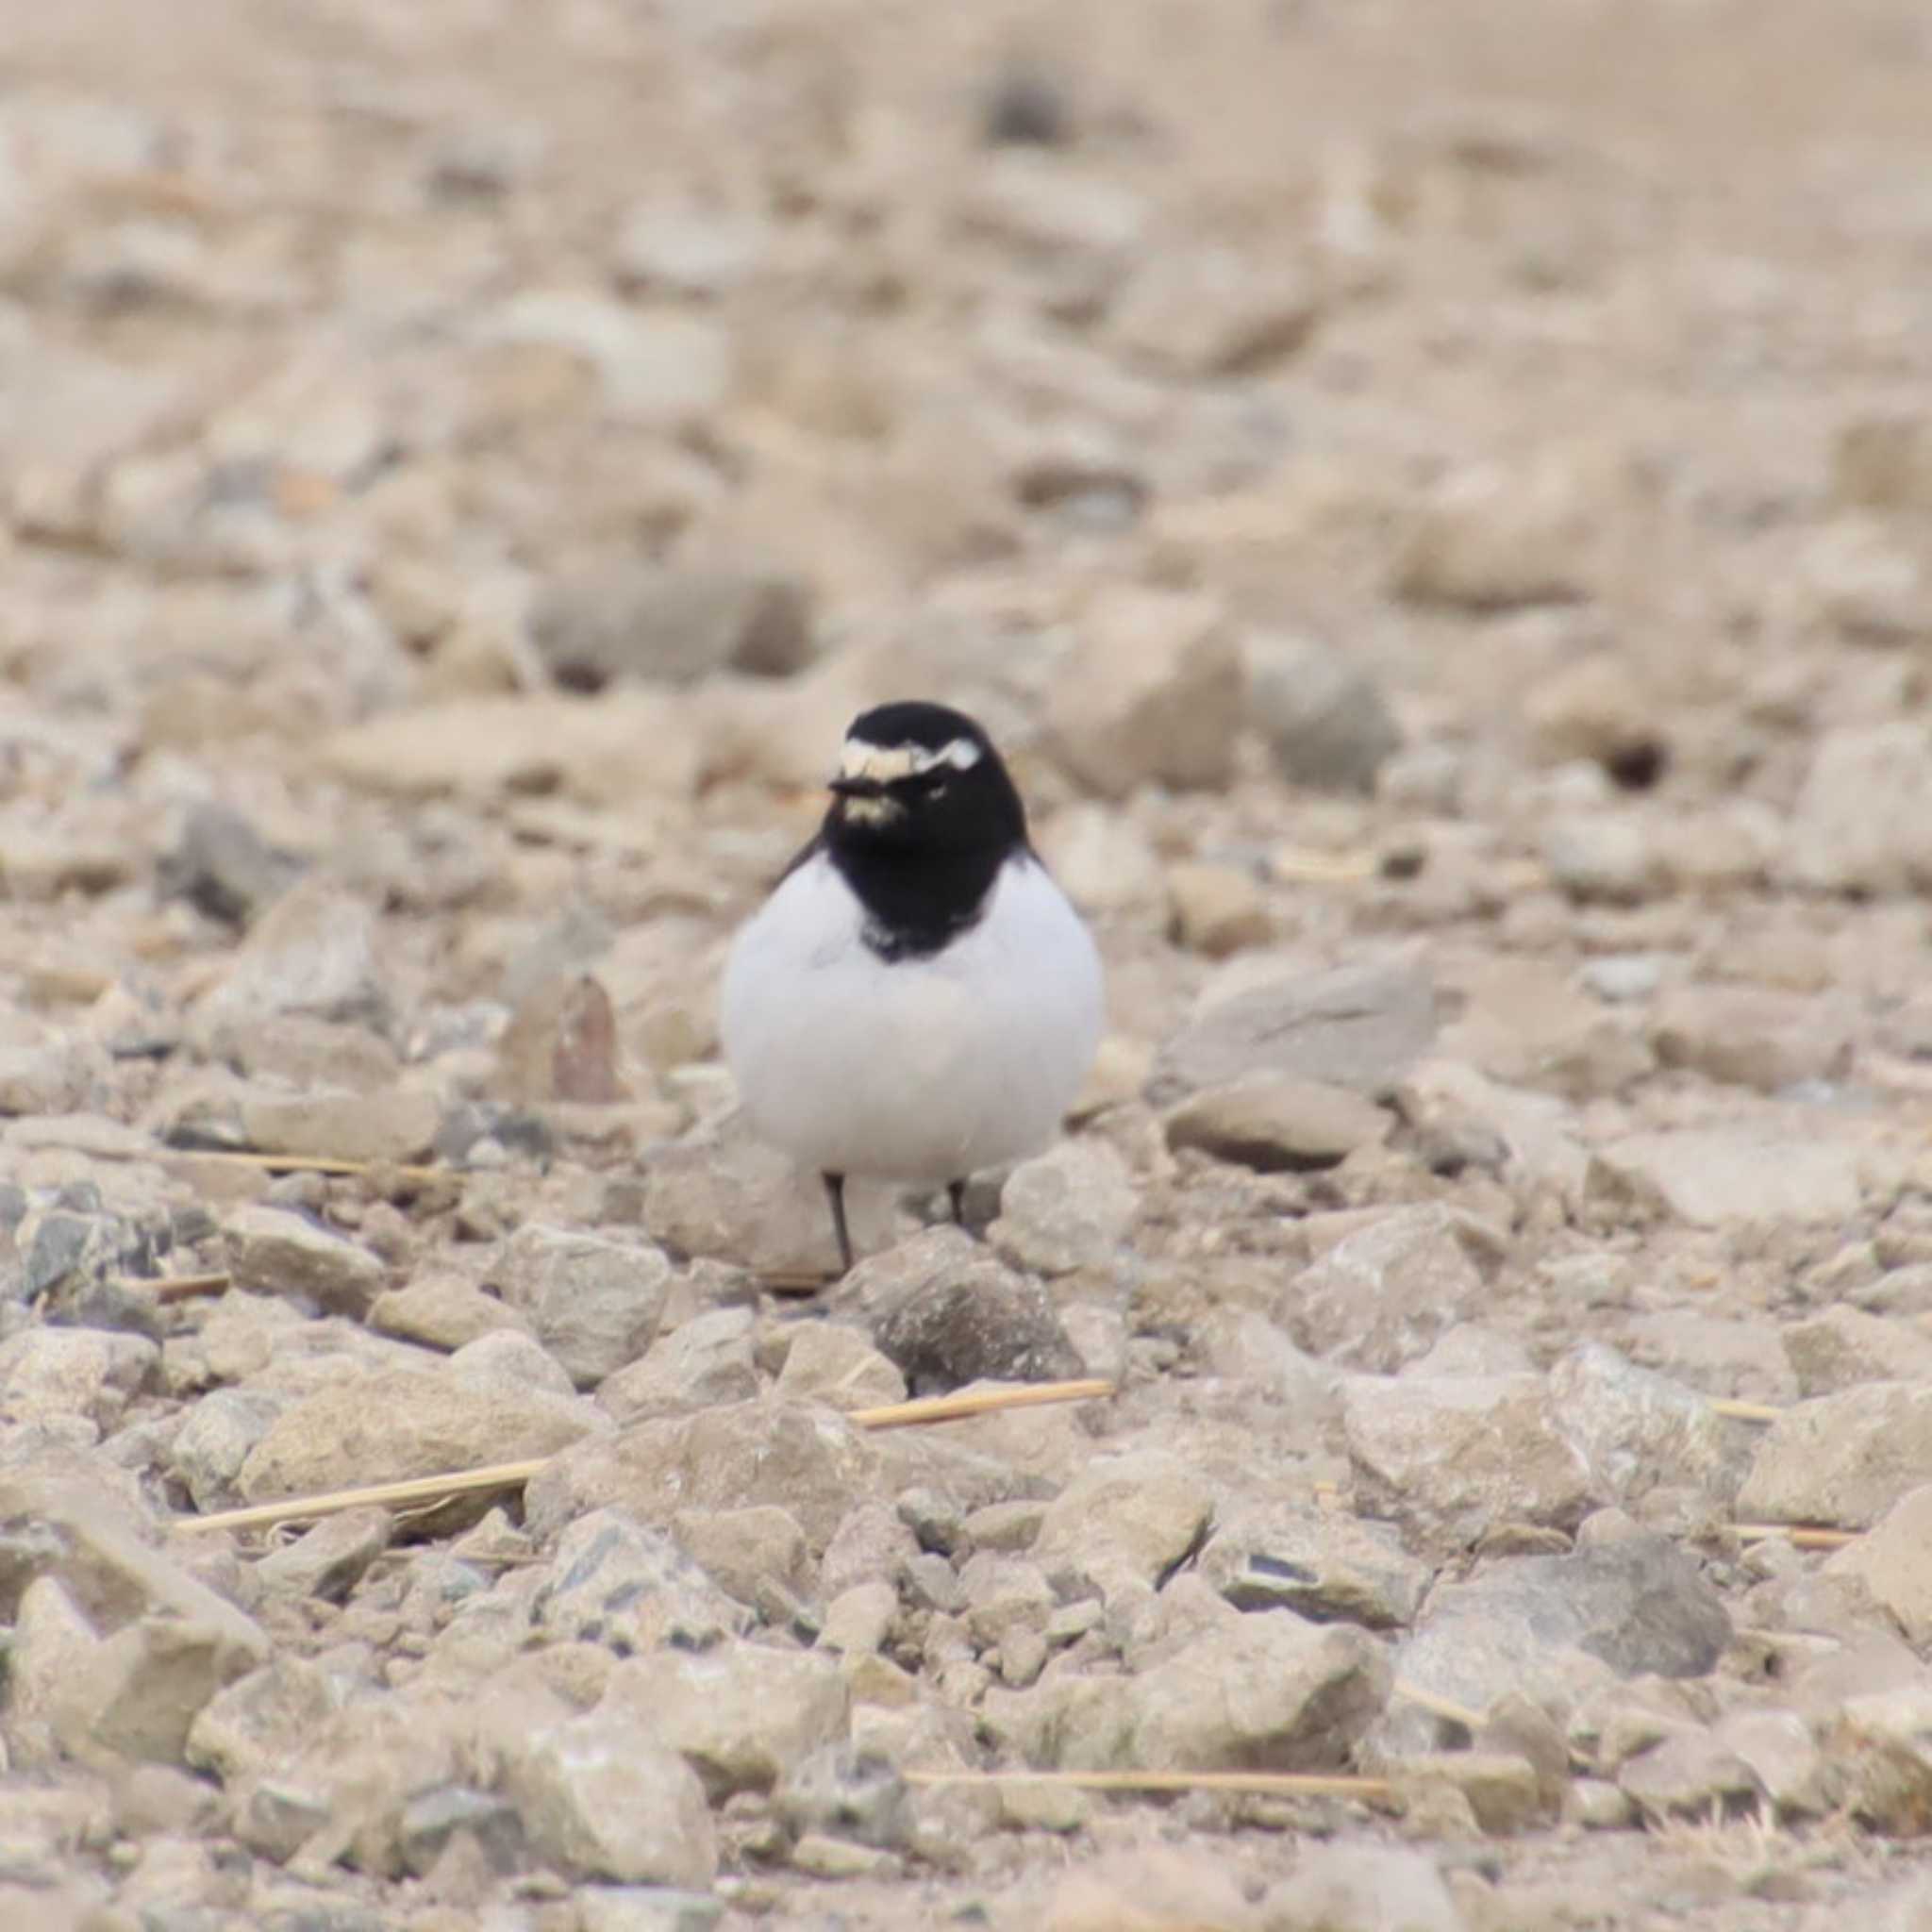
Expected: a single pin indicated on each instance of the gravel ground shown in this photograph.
(1437, 501)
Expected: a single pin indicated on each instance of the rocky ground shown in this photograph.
(1436, 500)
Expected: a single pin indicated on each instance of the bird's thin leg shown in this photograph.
(835, 1194)
(956, 1194)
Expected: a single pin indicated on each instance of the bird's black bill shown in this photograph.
(857, 788)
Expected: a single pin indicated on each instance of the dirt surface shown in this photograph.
(1436, 500)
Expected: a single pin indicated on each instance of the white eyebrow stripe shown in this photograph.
(883, 763)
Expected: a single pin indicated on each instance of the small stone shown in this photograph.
(1778, 1749)
(1069, 1208)
(398, 1124)
(1863, 819)
(1102, 860)
(1751, 1036)
(805, 1460)
(1216, 909)
(1638, 1430)
(1321, 1564)
(1492, 539)
(91, 1373)
(1212, 310)
(1346, 1888)
(1638, 1606)
(1691, 1774)
(1602, 856)
(431, 1818)
(1894, 1561)
(329, 1560)
(617, 1583)
(1883, 463)
(313, 952)
(1866, 583)
(443, 1311)
(594, 1302)
(674, 625)
(1124, 1522)
(1358, 1026)
(705, 1362)
(1156, 1888)
(858, 1618)
(1597, 707)
(602, 1797)
(1844, 1346)
(280, 1252)
(826, 1362)
(1151, 693)
(671, 245)
(759, 1553)
(1845, 1459)
(561, 1045)
(645, 1909)
(262, 1718)
(1715, 1177)
(949, 1315)
(1623, 978)
(396, 1424)
(1382, 1294)
(1452, 1457)
(224, 868)
(742, 1715)
(1324, 715)
(1500, 1788)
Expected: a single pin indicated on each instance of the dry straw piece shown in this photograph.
(1260, 1784)
(511, 1476)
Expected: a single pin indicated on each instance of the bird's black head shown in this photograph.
(923, 817)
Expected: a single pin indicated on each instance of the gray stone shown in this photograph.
(1125, 1523)
(847, 1793)
(1321, 712)
(327, 1561)
(1841, 1459)
(1638, 1431)
(1349, 1888)
(278, 1251)
(806, 1460)
(703, 1362)
(594, 1302)
(223, 867)
(432, 1819)
(644, 1909)
(1782, 1755)
(634, 618)
(1356, 1027)
(602, 1797)
(1638, 1606)
(1712, 1176)
(1322, 1564)
(395, 1124)
(1216, 909)
(1493, 538)
(1451, 1457)
(1605, 857)
(1382, 1294)
(1275, 1123)
(613, 1581)
(742, 1715)
(519, 1365)
(1069, 1208)
(1151, 693)
(396, 1423)
(758, 1553)
(949, 1313)
(1691, 1774)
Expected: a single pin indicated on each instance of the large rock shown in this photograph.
(401, 1422)
(1451, 1456)
(47, 1374)
(1361, 1028)
(594, 1302)
(1751, 1035)
(1126, 1521)
(704, 1361)
(1841, 1459)
(1638, 1431)
(949, 1313)
(616, 1582)
(1323, 1564)
(1275, 1123)
(1069, 1208)
(1151, 693)
(314, 953)
(1894, 1561)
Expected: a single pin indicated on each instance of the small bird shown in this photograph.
(916, 1000)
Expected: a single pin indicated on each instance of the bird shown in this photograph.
(916, 999)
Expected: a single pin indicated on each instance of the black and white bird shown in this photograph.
(916, 1000)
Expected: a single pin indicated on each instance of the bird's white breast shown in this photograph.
(917, 1069)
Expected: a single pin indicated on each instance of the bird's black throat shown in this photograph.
(916, 902)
